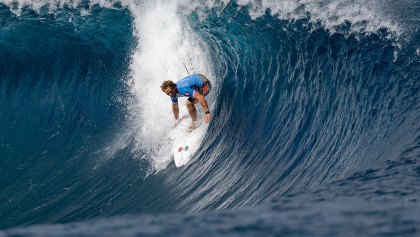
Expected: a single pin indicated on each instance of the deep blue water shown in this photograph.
(314, 132)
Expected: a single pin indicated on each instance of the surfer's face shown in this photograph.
(170, 91)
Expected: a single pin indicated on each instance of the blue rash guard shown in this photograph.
(186, 87)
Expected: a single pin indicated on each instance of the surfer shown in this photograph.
(195, 87)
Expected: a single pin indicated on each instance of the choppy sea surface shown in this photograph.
(315, 118)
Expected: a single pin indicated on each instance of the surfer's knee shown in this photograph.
(190, 105)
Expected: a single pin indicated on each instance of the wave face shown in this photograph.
(314, 113)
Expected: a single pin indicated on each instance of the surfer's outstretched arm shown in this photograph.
(175, 109)
(200, 98)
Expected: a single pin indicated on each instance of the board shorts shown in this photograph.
(204, 90)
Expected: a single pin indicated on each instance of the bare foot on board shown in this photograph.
(192, 127)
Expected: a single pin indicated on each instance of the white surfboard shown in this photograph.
(182, 151)
(185, 143)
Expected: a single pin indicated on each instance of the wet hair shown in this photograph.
(167, 84)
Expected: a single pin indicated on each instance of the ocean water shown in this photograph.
(315, 118)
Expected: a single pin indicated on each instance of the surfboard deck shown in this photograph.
(184, 142)
(182, 153)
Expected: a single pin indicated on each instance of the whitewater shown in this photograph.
(314, 130)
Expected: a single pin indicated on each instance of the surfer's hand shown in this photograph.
(207, 118)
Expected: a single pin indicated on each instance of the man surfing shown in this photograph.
(195, 87)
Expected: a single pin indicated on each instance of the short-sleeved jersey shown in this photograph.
(186, 87)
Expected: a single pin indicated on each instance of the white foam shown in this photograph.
(365, 16)
(36, 5)
(165, 43)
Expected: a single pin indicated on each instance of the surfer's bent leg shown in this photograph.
(191, 109)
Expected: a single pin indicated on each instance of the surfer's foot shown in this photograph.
(192, 127)
(176, 123)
